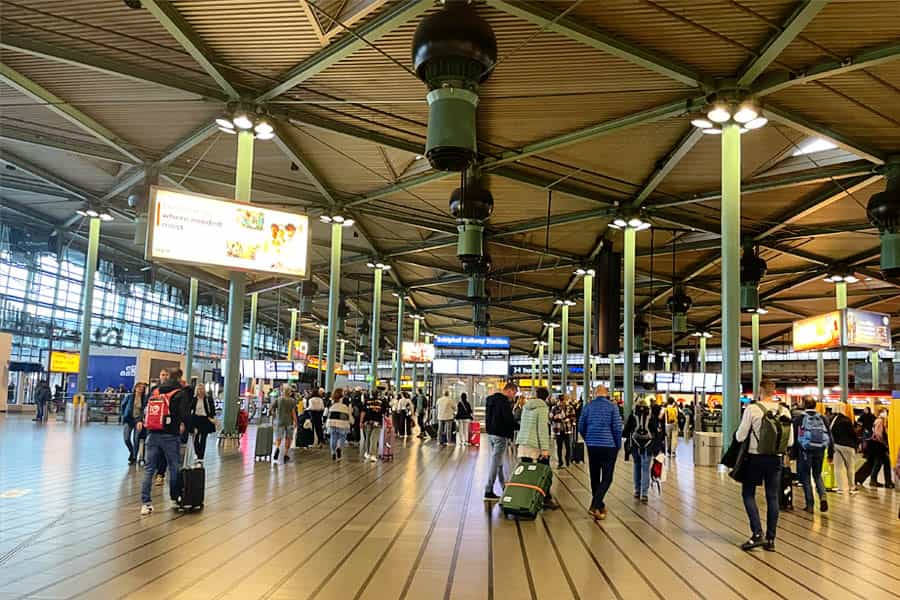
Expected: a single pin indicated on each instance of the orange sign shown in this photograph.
(821, 332)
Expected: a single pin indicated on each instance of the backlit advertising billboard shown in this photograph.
(821, 332)
(866, 329)
(417, 352)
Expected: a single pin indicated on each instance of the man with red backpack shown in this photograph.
(164, 420)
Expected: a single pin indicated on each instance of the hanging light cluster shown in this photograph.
(721, 113)
(243, 117)
(841, 275)
(94, 212)
(753, 269)
(338, 219)
(633, 221)
(679, 304)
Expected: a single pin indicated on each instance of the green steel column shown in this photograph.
(236, 289)
(189, 346)
(376, 326)
(394, 374)
(254, 310)
(541, 363)
(341, 353)
(820, 375)
(731, 283)
(550, 337)
(593, 368)
(667, 362)
(875, 368)
(588, 301)
(703, 355)
(426, 371)
(840, 293)
(757, 365)
(87, 303)
(628, 324)
(356, 369)
(533, 374)
(334, 298)
(417, 323)
(321, 358)
(564, 340)
(612, 374)
(290, 351)
(398, 374)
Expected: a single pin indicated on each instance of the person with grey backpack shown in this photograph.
(812, 441)
(766, 429)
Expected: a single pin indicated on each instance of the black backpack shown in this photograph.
(642, 436)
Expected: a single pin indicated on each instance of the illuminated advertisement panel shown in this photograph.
(417, 352)
(866, 329)
(821, 332)
(202, 230)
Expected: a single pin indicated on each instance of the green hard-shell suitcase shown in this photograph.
(523, 496)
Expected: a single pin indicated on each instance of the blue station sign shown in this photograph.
(470, 341)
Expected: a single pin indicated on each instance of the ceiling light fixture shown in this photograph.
(337, 220)
(632, 221)
(703, 334)
(581, 271)
(241, 116)
(94, 212)
(564, 302)
(725, 112)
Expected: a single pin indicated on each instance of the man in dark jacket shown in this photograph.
(167, 440)
(41, 398)
(843, 451)
(499, 425)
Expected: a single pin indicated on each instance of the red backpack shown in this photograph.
(158, 413)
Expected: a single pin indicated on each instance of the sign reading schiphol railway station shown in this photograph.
(470, 341)
(851, 328)
(202, 230)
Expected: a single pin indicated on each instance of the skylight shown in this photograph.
(813, 145)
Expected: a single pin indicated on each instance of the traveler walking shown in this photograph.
(202, 419)
(132, 410)
(867, 422)
(339, 417)
(420, 404)
(672, 415)
(463, 420)
(767, 426)
(600, 425)
(534, 436)
(285, 419)
(843, 451)
(563, 422)
(878, 453)
(403, 408)
(644, 436)
(316, 407)
(371, 418)
(811, 441)
(499, 425)
(164, 418)
(41, 399)
(446, 411)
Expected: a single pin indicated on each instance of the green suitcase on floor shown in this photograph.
(523, 496)
(828, 475)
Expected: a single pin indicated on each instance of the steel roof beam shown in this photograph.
(40, 139)
(795, 24)
(668, 164)
(355, 40)
(808, 127)
(804, 208)
(39, 172)
(549, 20)
(864, 60)
(60, 107)
(106, 65)
(288, 148)
(169, 17)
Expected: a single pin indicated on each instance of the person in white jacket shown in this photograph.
(446, 412)
(403, 409)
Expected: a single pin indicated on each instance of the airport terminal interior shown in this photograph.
(470, 299)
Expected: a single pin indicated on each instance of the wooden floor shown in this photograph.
(414, 528)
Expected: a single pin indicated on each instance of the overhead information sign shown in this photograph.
(470, 341)
(417, 352)
(821, 332)
(202, 230)
(866, 329)
(64, 362)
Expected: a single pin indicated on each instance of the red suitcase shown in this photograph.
(475, 433)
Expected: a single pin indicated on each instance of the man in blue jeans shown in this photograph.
(811, 440)
(165, 442)
(600, 425)
(499, 425)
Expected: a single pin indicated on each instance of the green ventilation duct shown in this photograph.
(679, 304)
(453, 51)
(884, 213)
(307, 291)
(640, 330)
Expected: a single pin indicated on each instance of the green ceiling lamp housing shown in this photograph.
(884, 213)
(753, 269)
(640, 331)
(453, 51)
(679, 304)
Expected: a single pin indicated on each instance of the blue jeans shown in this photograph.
(809, 466)
(337, 438)
(497, 445)
(643, 460)
(161, 444)
(40, 411)
(130, 436)
(445, 432)
(765, 469)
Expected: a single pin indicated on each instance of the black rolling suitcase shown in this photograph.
(305, 434)
(863, 472)
(191, 480)
(577, 450)
(786, 492)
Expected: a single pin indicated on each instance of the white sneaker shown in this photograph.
(146, 509)
(854, 492)
(365, 457)
(838, 491)
(373, 459)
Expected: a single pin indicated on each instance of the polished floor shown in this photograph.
(414, 528)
